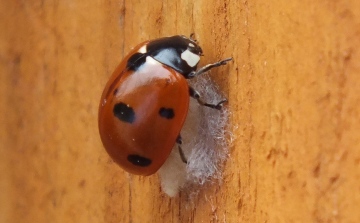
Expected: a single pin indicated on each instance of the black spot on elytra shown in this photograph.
(135, 61)
(166, 113)
(139, 160)
(124, 112)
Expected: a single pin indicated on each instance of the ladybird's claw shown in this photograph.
(179, 140)
(194, 94)
(182, 155)
(224, 61)
(217, 106)
(181, 152)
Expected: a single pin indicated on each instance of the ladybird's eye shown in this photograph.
(124, 112)
(139, 160)
(167, 113)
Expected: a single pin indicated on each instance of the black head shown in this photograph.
(178, 52)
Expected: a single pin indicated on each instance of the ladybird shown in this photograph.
(146, 100)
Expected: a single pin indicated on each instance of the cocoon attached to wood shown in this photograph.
(206, 137)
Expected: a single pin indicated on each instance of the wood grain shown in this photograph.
(293, 89)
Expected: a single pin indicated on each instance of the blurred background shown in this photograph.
(293, 91)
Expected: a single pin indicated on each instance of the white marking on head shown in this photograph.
(191, 45)
(191, 58)
(149, 64)
(142, 49)
(142, 78)
(151, 60)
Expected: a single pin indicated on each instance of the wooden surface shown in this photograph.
(293, 89)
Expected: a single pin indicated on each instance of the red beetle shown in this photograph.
(146, 100)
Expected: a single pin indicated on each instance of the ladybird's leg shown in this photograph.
(196, 95)
(182, 155)
(208, 67)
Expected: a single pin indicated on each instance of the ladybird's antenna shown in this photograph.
(193, 38)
